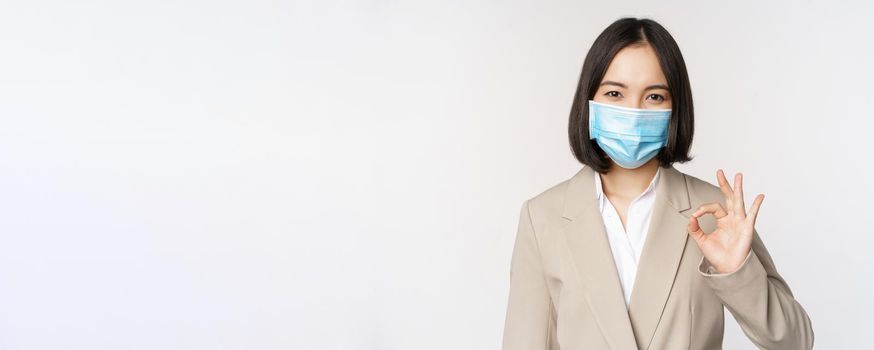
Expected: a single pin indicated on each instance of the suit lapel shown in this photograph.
(587, 240)
(660, 259)
(624, 327)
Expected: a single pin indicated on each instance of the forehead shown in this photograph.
(636, 65)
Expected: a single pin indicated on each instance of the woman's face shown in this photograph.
(634, 79)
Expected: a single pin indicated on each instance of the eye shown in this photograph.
(656, 97)
(614, 94)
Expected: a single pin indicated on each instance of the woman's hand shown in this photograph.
(727, 246)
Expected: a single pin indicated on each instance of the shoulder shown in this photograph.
(546, 207)
(701, 191)
(551, 199)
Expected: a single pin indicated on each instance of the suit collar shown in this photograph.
(581, 186)
(632, 326)
(599, 189)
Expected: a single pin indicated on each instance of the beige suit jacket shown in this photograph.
(565, 291)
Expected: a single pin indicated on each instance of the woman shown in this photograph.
(582, 277)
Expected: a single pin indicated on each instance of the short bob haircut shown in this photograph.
(620, 34)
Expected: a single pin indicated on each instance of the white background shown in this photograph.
(348, 175)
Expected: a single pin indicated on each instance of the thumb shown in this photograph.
(694, 229)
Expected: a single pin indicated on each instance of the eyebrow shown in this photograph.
(651, 87)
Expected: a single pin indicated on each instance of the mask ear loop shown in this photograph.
(589, 109)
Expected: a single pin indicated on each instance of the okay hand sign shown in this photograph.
(727, 246)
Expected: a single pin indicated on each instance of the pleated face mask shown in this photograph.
(629, 136)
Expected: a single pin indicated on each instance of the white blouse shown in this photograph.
(627, 246)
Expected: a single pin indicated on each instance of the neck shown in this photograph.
(628, 183)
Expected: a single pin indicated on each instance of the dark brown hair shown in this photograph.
(620, 34)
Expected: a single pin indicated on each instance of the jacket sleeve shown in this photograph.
(761, 301)
(530, 319)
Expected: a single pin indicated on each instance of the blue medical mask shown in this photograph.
(629, 136)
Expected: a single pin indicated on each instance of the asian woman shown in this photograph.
(631, 253)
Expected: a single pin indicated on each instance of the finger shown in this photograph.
(723, 183)
(694, 229)
(754, 209)
(712, 208)
(739, 206)
(724, 187)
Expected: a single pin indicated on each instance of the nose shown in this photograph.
(633, 103)
(638, 101)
